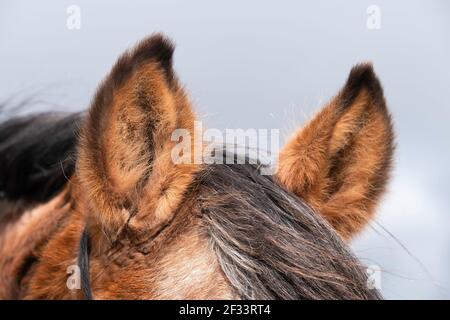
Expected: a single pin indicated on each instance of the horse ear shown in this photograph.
(340, 161)
(124, 163)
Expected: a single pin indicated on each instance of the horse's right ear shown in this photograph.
(124, 164)
(340, 161)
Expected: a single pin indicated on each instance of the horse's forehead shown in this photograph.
(180, 267)
(190, 269)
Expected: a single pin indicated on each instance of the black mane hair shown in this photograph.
(37, 155)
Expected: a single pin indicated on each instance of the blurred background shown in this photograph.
(267, 64)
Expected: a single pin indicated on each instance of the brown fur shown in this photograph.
(160, 230)
(180, 264)
(22, 242)
(340, 161)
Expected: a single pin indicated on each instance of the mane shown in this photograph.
(36, 155)
(270, 243)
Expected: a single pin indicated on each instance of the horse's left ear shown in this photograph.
(124, 164)
(341, 160)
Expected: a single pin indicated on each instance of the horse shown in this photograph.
(94, 207)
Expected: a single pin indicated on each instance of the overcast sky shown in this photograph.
(267, 64)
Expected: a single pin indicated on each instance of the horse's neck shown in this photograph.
(22, 239)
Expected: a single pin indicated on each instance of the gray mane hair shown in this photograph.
(271, 244)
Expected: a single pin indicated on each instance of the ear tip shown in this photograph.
(363, 73)
(158, 47)
(361, 76)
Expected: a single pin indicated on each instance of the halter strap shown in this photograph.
(83, 263)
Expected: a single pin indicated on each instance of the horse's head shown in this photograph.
(154, 228)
